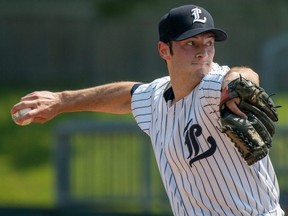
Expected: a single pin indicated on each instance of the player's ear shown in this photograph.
(163, 50)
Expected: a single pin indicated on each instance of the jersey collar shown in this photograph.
(169, 94)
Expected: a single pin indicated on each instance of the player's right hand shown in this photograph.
(45, 106)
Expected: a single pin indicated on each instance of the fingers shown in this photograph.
(22, 117)
(23, 113)
(233, 106)
(22, 105)
(42, 104)
(25, 102)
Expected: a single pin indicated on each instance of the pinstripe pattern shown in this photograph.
(202, 172)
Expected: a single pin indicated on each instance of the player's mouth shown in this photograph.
(201, 63)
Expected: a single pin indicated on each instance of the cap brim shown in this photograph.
(220, 35)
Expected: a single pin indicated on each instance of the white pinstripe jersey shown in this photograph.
(202, 172)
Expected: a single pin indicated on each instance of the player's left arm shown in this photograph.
(232, 74)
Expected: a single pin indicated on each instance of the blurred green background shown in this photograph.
(69, 44)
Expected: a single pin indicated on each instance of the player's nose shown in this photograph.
(202, 52)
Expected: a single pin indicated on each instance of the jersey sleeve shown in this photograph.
(210, 89)
(141, 106)
(144, 97)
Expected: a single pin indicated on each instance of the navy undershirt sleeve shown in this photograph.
(134, 87)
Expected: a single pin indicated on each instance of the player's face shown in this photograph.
(194, 54)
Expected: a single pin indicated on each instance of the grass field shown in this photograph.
(26, 159)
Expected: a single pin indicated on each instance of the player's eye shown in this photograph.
(190, 43)
(209, 43)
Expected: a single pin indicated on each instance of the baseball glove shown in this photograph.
(253, 136)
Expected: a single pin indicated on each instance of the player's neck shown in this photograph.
(182, 86)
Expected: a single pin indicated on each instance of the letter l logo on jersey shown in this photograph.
(196, 151)
(196, 14)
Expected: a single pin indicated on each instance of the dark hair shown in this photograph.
(170, 43)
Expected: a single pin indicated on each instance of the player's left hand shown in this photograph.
(232, 105)
(252, 135)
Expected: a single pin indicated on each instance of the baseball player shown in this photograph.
(202, 171)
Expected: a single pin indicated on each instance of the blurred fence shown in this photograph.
(111, 166)
(107, 167)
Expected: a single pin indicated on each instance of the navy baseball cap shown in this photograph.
(187, 21)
